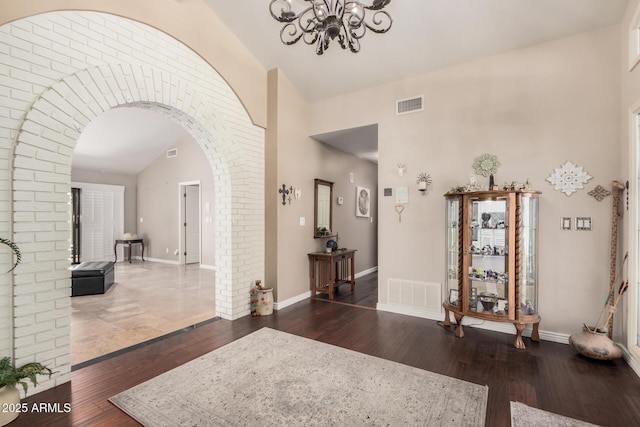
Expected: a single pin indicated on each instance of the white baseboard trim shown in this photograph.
(161, 261)
(367, 271)
(209, 267)
(506, 328)
(286, 303)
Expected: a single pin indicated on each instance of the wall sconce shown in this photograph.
(424, 181)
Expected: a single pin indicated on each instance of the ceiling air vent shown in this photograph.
(172, 153)
(410, 105)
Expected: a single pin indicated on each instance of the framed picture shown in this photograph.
(453, 296)
(363, 202)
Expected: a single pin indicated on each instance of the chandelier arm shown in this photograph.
(378, 4)
(285, 15)
(310, 37)
(353, 41)
(293, 34)
(380, 22)
(359, 32)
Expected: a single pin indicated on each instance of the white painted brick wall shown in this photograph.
(62, 69)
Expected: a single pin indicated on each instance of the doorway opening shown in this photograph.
(190, 223)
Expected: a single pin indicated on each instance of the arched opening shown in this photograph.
(183, 87)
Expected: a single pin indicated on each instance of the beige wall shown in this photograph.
(535, 109)
(130, 191)
(299, 161)
(159, 200)
(191, 22)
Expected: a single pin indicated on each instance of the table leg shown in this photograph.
(353, 273)
(312, 266)
(332, 273)
(142, 244)
(115, 252)
(129, 246)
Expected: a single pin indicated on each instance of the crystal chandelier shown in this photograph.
(326, 20)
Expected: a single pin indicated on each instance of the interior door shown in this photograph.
(192, 224)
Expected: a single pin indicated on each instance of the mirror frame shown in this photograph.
(329, 184)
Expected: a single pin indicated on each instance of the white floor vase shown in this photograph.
(9, 404)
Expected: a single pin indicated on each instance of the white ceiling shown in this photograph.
(426, 35)
(125, 140)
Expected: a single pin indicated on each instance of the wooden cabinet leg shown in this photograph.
(447, 321)
(534, 332)
(459, 332)
(519, 343)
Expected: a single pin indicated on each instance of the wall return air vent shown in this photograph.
(410, 105)
(172, 153)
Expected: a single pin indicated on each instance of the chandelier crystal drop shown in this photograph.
(325, 20)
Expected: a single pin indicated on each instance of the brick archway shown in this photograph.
(40, 179)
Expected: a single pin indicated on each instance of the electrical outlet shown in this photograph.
(176, 252)
(166, 250)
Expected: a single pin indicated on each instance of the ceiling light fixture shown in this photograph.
(326, 20)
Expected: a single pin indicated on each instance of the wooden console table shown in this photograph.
(328, 270)
(127, 243)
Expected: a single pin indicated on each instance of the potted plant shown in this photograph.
(9, 378)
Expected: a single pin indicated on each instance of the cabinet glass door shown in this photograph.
(488, 260)
(529, 256)
(453, 250)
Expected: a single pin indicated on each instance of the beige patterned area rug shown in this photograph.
(275, 378)
(523, 415)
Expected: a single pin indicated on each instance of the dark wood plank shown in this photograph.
(365, 293)
(547, 375)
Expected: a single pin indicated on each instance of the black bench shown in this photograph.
(91, 278)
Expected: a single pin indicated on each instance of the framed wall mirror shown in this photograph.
(323, 212)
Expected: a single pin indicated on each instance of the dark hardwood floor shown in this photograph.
(546, 375)
(365, 293)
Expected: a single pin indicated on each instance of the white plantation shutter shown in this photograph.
(102, 220)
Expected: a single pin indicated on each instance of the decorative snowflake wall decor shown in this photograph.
(486, 164)
(599, 193)
(568, 178)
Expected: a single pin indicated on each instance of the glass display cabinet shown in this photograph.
(492, 255)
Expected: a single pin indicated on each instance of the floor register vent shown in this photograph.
(410, 105)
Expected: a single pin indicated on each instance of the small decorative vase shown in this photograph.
(595, 344)
(9, 404)
(264, 307)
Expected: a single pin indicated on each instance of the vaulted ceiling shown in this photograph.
(426, 35)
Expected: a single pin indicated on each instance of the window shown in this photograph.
(102, 220)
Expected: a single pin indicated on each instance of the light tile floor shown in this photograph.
(147, 300)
